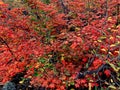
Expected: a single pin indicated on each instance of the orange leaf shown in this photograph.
(1, 2)
(73, 46)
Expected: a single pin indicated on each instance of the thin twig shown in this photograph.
(65, 9)
(3, 41)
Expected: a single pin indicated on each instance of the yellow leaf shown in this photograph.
(103, 37)
(118, 26)
(111, 37)
(117, 52)
(110, 53)
(115, 44)
(21, 82)
(99, 40)
(62, 57)
(103, 50)
(112, 45)
(112, 87)
(109, 18)
(116, 69)
(118, 36)
(77, 29)
(111, 80)
(90, 86)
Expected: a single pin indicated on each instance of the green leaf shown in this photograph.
(95, 87)
(42, 60)
(72, 83)
(48, 65)
(46, 1)
(35, 73)
(86, 65)
(118, 64)
(102, 88)
(33, 19)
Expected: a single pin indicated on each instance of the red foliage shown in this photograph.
(58, 41)
(18, 43)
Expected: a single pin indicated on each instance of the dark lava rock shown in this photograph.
(9, 86)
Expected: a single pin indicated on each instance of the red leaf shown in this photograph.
(83, 81)
(107, 73)
(84, 59)
(97, 63)
(79, 39)
(73, 46)
(63, 62)
(52, 85)
(62, 87)
(77, 85)
(45, 84)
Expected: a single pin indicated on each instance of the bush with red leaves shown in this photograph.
(62, 43)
